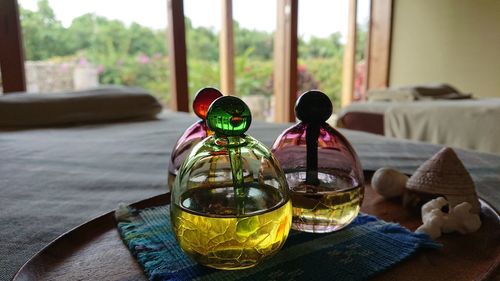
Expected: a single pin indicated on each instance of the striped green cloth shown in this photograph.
(366, 247)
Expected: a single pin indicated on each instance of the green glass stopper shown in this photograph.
(229, 116)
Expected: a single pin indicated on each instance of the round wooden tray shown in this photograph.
(94, 250)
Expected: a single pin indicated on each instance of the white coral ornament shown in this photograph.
(436, 221)
(465, 221)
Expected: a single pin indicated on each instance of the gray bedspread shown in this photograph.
(52, 180)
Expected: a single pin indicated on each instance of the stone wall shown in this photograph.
(43, 76)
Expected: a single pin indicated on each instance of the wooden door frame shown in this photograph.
(378, 56)
(11, 48)
(379, 44)
(177, 57)
(285, 61)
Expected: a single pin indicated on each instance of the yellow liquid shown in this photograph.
(231, 242)
(325, 211)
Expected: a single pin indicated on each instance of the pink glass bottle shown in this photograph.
(322, 169)
(194, 134)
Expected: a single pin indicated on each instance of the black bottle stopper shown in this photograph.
(313, 108)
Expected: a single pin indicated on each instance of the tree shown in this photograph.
(44, 36)
(82, 32)
(202, 43)
(321, 47)
(147, 41)
(260, 41)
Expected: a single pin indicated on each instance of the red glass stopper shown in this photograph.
(203, 100)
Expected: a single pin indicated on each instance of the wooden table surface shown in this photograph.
(94, 250)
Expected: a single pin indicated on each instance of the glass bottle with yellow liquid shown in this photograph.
(321, 167)
(194, 134)
(230, 206)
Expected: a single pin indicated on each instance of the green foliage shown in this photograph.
(252, 76)
(135, 55)
(147, 41)
(158, 78)
(202, 43)
(81, 33)
(328, 73)
(202, 73)
(321, 47)
(44, 36)
(260, 42)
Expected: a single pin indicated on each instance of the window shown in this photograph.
(83, 44)
(321, 46)
(88, 47)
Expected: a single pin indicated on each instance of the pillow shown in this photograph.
(389, 94)
(437, 91)
(417, 92)
(103, 104)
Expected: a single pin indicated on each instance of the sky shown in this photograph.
(316, 17)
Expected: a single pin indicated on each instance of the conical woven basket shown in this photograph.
(444, 174)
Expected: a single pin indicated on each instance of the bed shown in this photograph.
(53, 179)
(469, 124)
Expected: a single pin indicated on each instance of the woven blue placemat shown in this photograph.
(366, 247)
